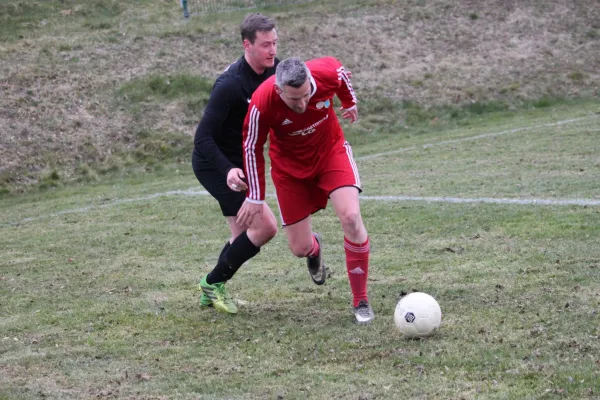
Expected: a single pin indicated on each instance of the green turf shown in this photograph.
(98, 283)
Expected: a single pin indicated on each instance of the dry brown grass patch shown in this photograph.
(57, 88)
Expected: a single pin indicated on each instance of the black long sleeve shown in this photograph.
(211, 125)
(218, 138)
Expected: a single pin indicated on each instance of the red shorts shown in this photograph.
(299, 198)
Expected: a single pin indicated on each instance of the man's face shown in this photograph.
(264, 49)
(295, 98)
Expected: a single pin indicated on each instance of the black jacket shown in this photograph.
(218, 139)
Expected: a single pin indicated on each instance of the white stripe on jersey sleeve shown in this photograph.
(250, 145)
(343, 76)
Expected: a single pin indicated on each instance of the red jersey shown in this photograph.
(298, 142)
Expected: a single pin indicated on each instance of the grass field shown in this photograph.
(479, 154)
(99, 299)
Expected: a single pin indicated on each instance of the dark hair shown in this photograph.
(255, 23)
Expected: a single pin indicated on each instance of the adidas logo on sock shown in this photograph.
(357, 270)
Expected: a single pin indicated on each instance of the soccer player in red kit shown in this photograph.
(311, 162)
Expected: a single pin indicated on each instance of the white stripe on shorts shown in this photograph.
(352, 164)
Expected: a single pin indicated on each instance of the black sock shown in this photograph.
(225, 248)
(240, 251)
(220, 260)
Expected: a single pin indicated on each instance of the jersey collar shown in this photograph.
(313, 84)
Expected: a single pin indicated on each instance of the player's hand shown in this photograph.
(235, 180)
(249, 213)
(350, 114)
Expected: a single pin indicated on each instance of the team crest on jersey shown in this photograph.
(322, 104)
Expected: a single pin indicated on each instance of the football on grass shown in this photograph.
(418, 315)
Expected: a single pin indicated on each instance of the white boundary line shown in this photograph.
(492, 200)
(188, 192)
(533, 201)
(485, 135)
(434, 199)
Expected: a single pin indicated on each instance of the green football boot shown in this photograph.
(205, 300)
(217, 296)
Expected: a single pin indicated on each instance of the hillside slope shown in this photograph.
(97, 86)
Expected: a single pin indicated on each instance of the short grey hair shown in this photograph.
(291, 72)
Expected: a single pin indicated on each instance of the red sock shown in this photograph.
(314, 250)
(357, 265)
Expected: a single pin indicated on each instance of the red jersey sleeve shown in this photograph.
(345, 91)
(255, 132)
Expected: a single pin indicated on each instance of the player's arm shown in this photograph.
(345, 91)
(255, 132)
(215, 113)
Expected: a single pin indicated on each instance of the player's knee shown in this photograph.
(263, 232)
(300, 249)
(351, 220)
(270, 229)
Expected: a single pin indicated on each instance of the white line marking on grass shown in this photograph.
(192, 192)
(482, 136)
(391, 198)
(543, 202)
(188, 192)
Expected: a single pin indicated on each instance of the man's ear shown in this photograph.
(246, 44)
(278, 89)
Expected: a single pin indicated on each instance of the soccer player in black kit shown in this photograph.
(217, 158)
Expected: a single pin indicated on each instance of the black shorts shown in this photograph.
(215, 183)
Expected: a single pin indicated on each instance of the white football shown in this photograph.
(418, 315)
